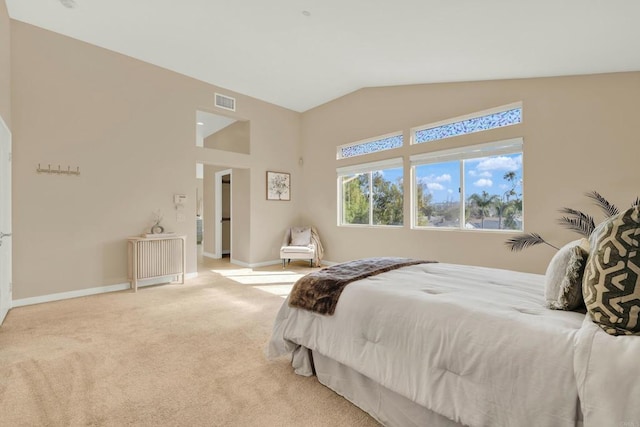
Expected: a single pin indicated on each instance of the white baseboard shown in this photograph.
(240, 263)
(71, 294)
(93, 291)
(267, 263)
(255, 264)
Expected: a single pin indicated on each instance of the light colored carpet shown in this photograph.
(178, 355)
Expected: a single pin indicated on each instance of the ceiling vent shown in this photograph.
(225, 102)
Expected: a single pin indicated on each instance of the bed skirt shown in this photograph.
(387, 407)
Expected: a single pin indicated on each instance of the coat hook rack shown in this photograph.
(58, 171)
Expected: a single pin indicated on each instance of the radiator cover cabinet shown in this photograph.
(156, 256)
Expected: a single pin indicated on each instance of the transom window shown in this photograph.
(481, 121)
(477, 187)
(371, 194)
(369, 146)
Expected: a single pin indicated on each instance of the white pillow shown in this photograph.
(300, 236)
(563, 278)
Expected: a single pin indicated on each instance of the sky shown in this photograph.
(482, 174)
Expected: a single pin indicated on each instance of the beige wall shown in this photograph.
(234, 137)
(5, 64)
(208, 205)
(242, 238)
(269, 218)
(579, 133)
(129, 126)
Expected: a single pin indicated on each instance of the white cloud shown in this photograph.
(484, 174)
(500, 163)
(483, 182)
(435, 182)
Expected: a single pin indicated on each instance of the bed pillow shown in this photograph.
(563, 278)
(300, 236)
(611, 284)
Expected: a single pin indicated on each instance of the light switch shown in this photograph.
(180, 217)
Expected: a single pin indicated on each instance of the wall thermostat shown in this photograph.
(179, 199)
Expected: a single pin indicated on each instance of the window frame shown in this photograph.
(490, 149)
(361, 168)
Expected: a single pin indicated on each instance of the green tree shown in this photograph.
(510, 208)
(387, 200)
(356, 199)
(511, 212)
(451, 211)
(482, 204)
(424, 207)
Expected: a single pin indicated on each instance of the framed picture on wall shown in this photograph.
(278, 186)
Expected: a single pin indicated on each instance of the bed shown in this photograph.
(442, 345)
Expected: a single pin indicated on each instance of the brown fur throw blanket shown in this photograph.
(319, 291)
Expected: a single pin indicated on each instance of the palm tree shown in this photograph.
(483, 202)
(506, 206)
(572, 219)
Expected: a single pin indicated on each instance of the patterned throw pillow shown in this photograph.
(611, 284)
(563, 278)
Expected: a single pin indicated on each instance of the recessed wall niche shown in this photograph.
(222, 133)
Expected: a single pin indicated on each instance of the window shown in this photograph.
(484, 120)
(371, 194)
(437, 198)
(368, 146)
(478, 187)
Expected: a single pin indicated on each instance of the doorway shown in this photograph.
(5, 220)
(223, 213)
(223, 147)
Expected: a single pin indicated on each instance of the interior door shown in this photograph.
(5, 220)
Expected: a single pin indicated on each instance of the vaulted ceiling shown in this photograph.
(302, 53)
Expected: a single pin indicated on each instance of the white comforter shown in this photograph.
(608, 374)
(473, 344)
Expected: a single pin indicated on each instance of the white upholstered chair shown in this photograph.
(300, 243)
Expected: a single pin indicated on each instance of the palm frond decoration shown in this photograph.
(522, 241)
(577, 221)
(608, 208)
(573, 219)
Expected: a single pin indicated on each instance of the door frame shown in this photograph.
(6, 291)
(218, 212)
